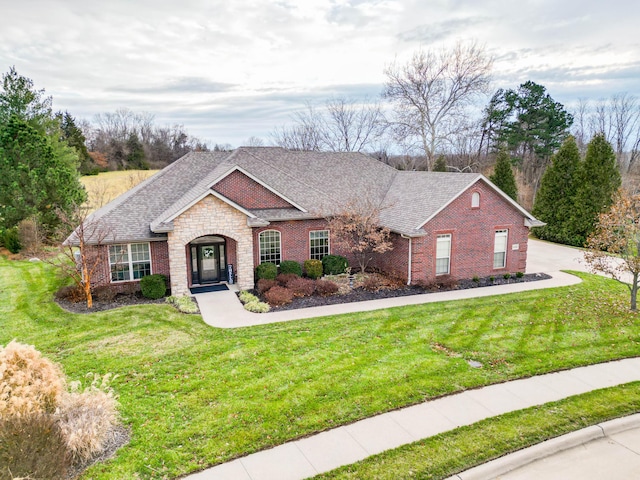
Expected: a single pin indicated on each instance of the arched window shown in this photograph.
(475, 200)
(270, 250)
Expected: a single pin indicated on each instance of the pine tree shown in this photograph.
(76, 139)
(503, 175)
(598, 181)
(440, 165)
(555, 199)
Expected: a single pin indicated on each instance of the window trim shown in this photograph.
(260, 253)
(448, 236)
(499, 233)
(328, 243)
(130, 262)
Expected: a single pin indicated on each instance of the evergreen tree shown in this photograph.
(136, 156)
(503, 175)
(555, 199)
(37, 176)
(598, 181)
(440, 165)
(76, 139)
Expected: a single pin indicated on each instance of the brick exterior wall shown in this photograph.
(102, 273)
(248, 193)
(472, 240)
(210, 216)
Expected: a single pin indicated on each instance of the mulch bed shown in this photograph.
(121, 300)
(361, 295)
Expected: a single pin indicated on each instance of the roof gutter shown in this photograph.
(410, 259)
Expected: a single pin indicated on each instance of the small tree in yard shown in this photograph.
(618, 233)
(75, 260)
(503, 175)
(356, 229)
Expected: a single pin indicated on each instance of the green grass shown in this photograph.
(446, 454)
(195, 396)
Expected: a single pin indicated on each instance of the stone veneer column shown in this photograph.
(210, 216)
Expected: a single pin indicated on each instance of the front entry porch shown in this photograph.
(210, 260)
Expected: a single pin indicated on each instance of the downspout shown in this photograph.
(409, 267)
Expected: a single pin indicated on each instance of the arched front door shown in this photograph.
(208, 260)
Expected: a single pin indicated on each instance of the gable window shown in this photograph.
(443, 254)
(475, 200)
(129, 261)
(500, 249)
(270, 250)
(318, 244)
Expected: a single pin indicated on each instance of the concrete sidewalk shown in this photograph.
(350, 443)
(224, 310)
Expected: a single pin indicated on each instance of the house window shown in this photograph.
(500, 249)
(270, 250)
(318, 244)
(475, 200)
(130, 261)
(443, 254)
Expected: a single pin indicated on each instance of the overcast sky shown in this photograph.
(231, 69)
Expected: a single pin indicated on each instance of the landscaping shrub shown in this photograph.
(31, 384)
(11, 240)
(313, 269)
(446, 282)
(247, 297)
(153, 286)
(506, 276)
(334, 264)
(284, 278)
(302, 287)
(105, 293)
(290, 266)
(372, 283)
(325, 287)
(519, 274)
(278, 295)
(32, 446)
(257, 307)
(86, 418)
(266, 270)
(264, 284)
(71, 293)
(183, 303)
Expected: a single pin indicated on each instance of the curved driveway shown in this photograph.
(550, 257)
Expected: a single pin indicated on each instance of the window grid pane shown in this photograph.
(500, 249)
(270, 246)
(129, 262)
(319, 244)
(443, 254)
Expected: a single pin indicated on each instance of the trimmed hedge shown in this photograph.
(290, 266)
(153, 286)
(266, 270)
(313, 269)
(334, 264)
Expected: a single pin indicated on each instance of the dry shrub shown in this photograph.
(284, 278)
(446, 282)
(372, 283)
(302, 287)
(31, 235)
(105, 293)
(29, 383)
(264, 285)
(277, 296)
(326, 287)
(72, 293)
(32, 446)
(86, 418)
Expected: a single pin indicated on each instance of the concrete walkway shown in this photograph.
(350, 443)
(224, 310)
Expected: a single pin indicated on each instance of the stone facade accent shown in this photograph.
(210, 216)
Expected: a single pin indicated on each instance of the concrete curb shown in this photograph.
(510, 462)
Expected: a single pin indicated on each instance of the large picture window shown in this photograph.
(270, 249)
(500, 249)
(130, 261)
(443, 254)
(318, 244)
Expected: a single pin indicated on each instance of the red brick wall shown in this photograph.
(102, 273)
(248, 193)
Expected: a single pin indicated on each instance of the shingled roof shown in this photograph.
(316, 182)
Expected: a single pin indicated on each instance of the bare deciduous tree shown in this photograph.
(618, 233)
(432, 92)
(357, 230)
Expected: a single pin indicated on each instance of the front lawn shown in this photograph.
(195, 396)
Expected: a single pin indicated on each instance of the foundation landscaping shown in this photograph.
(191, 396)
